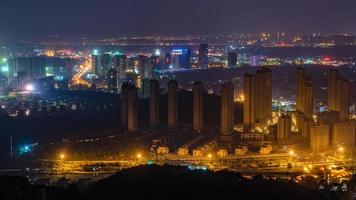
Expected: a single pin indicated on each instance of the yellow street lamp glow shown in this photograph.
(62, 156)
(291, 153)
(139, 155)
(210, 156)
(341, 149)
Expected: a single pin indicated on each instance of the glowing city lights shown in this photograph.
(29, 88)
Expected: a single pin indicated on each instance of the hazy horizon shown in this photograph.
(72, 20)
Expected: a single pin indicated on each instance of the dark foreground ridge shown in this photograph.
(156, 182)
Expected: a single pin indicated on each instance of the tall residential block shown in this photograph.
(300, 89)
(338, 95)
(333, 74)
(319, 138)
(154, 103)
(284, 127)
(120, 64)
(250, 101)
(304, 101)
(258, 97)
(172, 104)
(198, 94)
(308, 101)
(124, 90)
(306, 126)
(227, 109)
(132, 109)
(263, 95)
(344, 134)
(344, 103)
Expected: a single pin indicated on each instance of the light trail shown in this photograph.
(83, 69)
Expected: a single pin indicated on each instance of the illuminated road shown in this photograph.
(251, 163)
(83, 69)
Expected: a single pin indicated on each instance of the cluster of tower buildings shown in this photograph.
(257, 104)
(43, 71)
(129, 106)
(326, 129)
(334, 127)
(116, 68)
(321, 130)
(304, 115)
(338, 95)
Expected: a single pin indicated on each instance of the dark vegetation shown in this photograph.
(155, 182)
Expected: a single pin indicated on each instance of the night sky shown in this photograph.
(74, 19)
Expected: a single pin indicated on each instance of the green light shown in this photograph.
(117, 53)
(49, 71)
(5, 69)
(4, 59)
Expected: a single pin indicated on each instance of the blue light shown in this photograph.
(5, 69)
(90, 76)
(58, 78)
(309, 61)
(201, 168)
(177, 51)
(25, 149)
(116, 53)
(157, 52)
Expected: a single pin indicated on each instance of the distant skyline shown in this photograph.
(94, 19)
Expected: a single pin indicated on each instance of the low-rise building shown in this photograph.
(162, 150)
(265, 149)
(198, 153)
(183, 151)
(240, 151)
(222, 153)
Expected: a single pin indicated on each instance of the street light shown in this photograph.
(341, 149)
(62, 156)
(291, 154)
(306, 169)
(139, 155)
(29, 88)
(210, 155)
